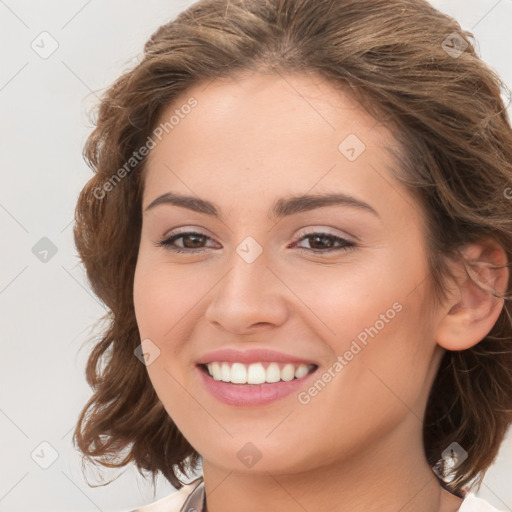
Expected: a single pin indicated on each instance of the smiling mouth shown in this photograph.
(256, 373)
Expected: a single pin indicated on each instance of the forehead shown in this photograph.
(258, 106)
(268, 135)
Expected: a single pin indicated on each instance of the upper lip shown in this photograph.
(251, 356)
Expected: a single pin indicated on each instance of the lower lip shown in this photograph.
(250, 395)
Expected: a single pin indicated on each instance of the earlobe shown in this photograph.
(476, 301)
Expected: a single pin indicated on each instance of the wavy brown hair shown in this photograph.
(455, 155)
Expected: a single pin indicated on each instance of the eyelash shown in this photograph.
(166, 243)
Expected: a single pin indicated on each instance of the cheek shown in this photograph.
(159, 304)
(343, 301)
(148, 300)
(161, 297)
(372, 317)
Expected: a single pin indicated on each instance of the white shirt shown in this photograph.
(184, 500)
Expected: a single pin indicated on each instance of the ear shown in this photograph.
(471, 310)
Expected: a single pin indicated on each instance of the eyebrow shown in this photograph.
(281, 208)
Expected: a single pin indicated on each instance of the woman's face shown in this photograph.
(320, 301)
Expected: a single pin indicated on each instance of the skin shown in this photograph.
(357, 444)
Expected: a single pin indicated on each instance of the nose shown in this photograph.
(248, 298)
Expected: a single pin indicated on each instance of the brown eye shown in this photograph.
(190, 241)
(325, 242)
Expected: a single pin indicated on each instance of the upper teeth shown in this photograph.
(256, 373)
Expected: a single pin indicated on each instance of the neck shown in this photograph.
(387, 476)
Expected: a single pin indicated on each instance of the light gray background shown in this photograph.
(47, 309)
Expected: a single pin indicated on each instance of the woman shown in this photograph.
(300, 220)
